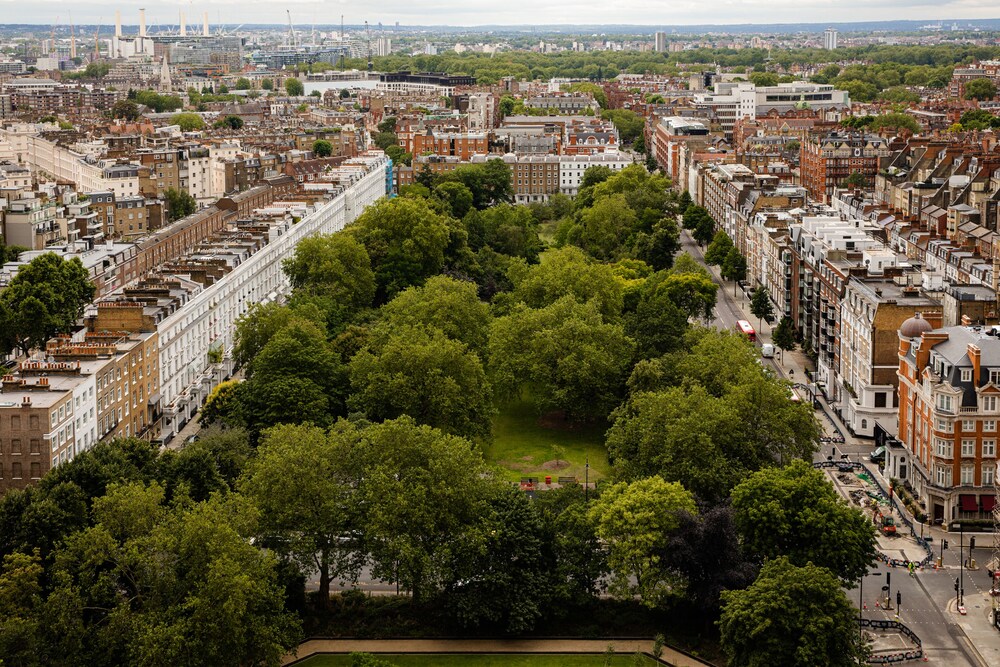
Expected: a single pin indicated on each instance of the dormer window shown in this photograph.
(995, 376)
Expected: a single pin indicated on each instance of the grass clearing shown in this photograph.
(482, 660)
(525, 445)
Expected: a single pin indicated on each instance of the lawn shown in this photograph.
(481, 660)
(525, 445)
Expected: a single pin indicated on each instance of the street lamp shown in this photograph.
(961, 565)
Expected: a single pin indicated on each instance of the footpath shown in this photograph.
(435, 646)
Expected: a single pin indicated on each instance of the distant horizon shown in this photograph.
(639, 15)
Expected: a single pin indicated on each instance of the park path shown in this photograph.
(622, 646)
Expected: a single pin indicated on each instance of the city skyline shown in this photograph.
(512, 14)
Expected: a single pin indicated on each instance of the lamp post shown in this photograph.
(961, 565)
(861, 597)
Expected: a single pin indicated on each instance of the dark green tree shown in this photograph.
(796, 513)
(795, 616)
(784, 335)
(45, 297)
(179, 203)
(734, 267)
(322, 148)
(422, 373)
(718, 249)
(980, 89)
(760, 304)
(294, 87)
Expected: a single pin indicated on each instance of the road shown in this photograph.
(928, 598)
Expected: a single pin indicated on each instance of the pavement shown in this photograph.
(593, 646)
(928, 599)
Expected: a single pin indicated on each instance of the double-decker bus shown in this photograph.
(744, 328)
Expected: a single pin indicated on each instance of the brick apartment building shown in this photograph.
(827, 161)
(949, 406)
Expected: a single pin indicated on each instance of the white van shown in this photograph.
(767, 351)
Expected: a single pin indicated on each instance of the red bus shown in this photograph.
(744, 328)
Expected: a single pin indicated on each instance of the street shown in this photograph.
(928, 598)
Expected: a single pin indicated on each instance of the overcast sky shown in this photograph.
(655, 13)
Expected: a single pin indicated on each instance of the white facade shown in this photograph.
(573, 167)
(207, 320)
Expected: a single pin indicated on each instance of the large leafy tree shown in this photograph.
(505, 580)
(980, 89)
(706, 550)
(179, 203)
(791, 615)
(297, 377)
(634, 521)
(305, 491)
(420, 372)
(422, 492)
(604, 227)
(336, 266)
(45, 298)
(259, 324)
(795, 512)
(565, 353)
(406, 240)
(453, 306)
(510, 230)
(489, 183)
(658, 322)
(680, 433)
(569, 272)
(717, 250)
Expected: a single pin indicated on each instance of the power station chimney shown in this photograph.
(142, 23)
(72, 39)
(204, 29)
(118, 23)
(184, 31)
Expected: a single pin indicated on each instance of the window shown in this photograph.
(966, 375)
(944, 425)
(968, 425)
(988, 475)
(36, 447)
(943, 448)
(990, 425)
(15, 446)
(990, 403)
(968, 474)
(995, 375)
(15, 470)
(942, 476)
(968, 447)
(36, 470)
(880, 399)
(944, 402)
(989, 448)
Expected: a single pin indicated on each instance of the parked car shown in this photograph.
(767, 351)
(878, 455)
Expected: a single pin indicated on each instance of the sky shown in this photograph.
(654, 13)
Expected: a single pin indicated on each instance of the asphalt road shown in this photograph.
(926, 596)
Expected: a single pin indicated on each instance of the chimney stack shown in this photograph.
(118, 23)
(204, 29)
(183, 26)
(142, 23)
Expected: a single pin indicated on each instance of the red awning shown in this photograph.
(968, 503)
(989, 502)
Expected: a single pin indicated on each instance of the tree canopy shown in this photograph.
(791, 615)
(46, 297)
(796, 513)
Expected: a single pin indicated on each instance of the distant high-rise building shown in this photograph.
(830, 39)
(660, 42)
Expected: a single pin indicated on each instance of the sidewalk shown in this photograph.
(591, 646)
